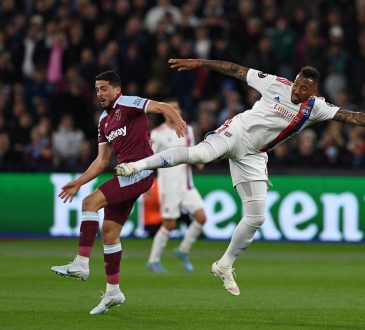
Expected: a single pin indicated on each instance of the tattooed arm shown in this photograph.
(350, 117)
(227, 68)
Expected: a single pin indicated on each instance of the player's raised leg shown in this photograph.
(79, 267)
(253, 196)
(202, 153)
(112, 257)
(190, 237)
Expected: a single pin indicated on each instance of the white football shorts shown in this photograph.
(246, 164)
(171, 202)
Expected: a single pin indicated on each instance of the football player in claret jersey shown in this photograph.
(284, 109)
(176, 191)
(122, 129)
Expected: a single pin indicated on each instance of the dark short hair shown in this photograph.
(311, 73)
(111, 76)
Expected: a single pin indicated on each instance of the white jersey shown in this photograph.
(274, 118)
(176, 178)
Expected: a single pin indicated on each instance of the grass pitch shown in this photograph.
(283, 286)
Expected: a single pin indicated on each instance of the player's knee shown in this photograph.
(254, 220)
(109, 236)
(88, 204)
(200, 217)
(169, 224)
(106, 234)
(94, 202)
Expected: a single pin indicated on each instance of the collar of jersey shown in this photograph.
(117, 99)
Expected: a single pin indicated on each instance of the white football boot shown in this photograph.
(125, 169)
(75, 269)
(108, 300)
(226, 274)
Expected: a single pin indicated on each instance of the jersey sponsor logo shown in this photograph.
(118, 132)
(284, 113)
(227, 134)
(284, 81)
(106, 125)
(277, 99)
(137, 101)
(117, 114)
(262, 74)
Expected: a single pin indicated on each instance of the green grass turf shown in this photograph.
(283, 286)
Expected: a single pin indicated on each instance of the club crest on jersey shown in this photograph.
(117, 114)
(306, 110)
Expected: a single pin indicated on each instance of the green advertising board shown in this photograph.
(303, 208)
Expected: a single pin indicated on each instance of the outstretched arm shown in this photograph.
(350, 117)
(97, 166)
(227, 68)
(170, 114)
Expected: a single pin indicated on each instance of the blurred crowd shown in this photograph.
(51, 51)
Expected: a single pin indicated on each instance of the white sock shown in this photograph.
(167, 158)
(112, 287)
(241, 239)
(140, 165)
(159, 244)
(82, 260)
(191, 235)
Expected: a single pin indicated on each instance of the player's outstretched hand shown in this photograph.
(180, 127)
(184, 64)
(69, 191)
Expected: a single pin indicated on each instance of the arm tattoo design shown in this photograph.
(227, 68)
(350, 117)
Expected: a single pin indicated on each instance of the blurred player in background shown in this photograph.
(176, 191)
(122, 129)
(284, 109)
(149, 211)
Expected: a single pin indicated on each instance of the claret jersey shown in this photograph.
(125, 128)
(274, 118)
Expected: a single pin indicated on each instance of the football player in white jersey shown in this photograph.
(176, 191)
(284, 109)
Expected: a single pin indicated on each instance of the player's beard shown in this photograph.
(108, 105)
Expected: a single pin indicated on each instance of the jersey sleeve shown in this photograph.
(323, 110)
(139, 103)
(101, 135)
(259, 80)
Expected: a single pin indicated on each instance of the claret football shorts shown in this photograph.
(121, 193)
